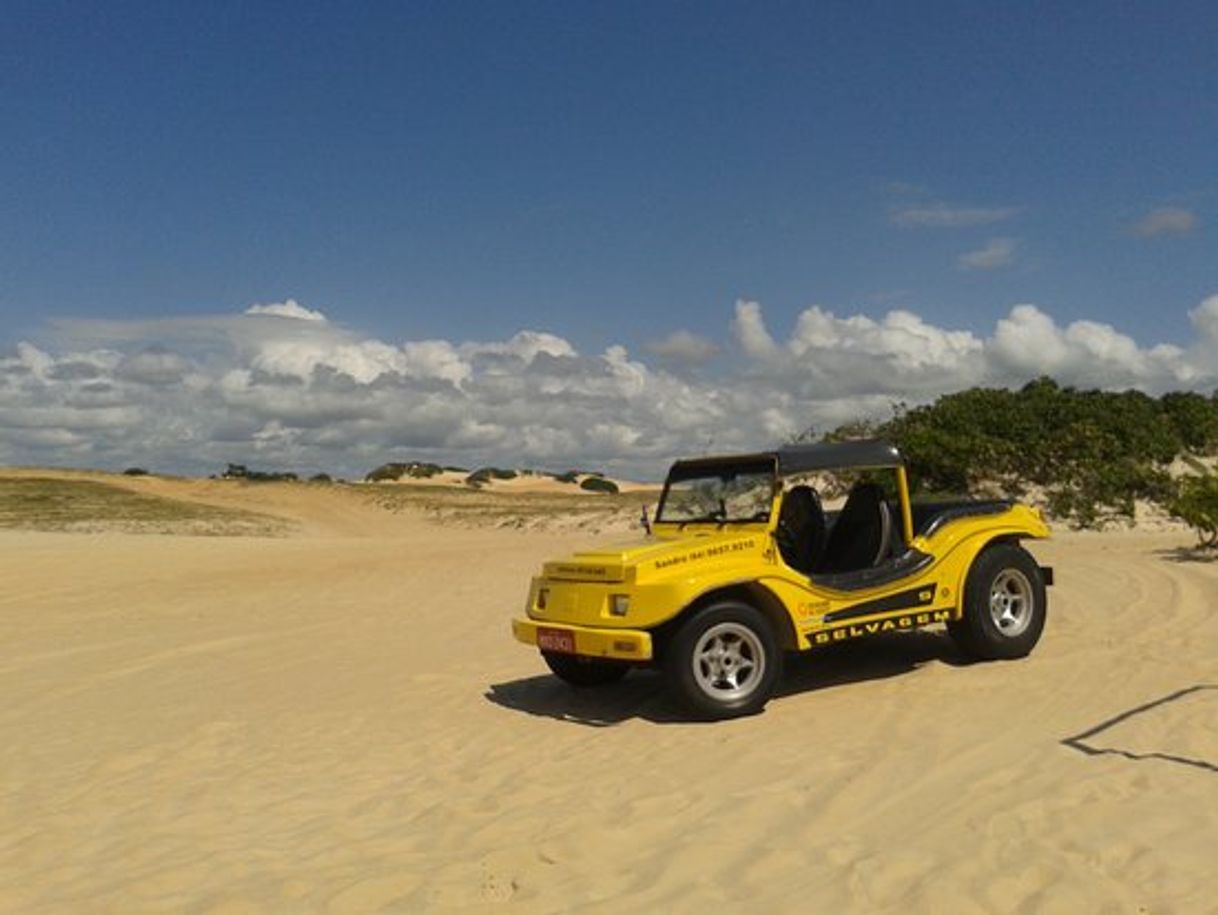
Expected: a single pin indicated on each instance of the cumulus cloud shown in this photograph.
(748, 327)
(829, 357)
(301, 393)
(942, 216)
(1166, 221)
(684, 346)
(1087, 353)
(1205, 319)
(152, 366)
(997, 252)
(289, 308)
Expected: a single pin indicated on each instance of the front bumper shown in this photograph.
(620, 644)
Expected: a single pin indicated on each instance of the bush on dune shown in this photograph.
(1093, 453)
(486, 474)
(393, 472)
(598, 484)
(1196, 504)
(241, 472)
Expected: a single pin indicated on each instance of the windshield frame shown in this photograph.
(682, 471)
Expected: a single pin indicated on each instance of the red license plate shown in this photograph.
(556, 640)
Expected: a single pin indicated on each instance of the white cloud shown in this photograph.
(1166, 221)
(941, 216)
(901, 338)
(527, 345)
(997, 252)
(193, 394)
(289, 308)
(827, 356)
(1205, 319)
(684, 346)
(153, 366)
(750, 331)
(1028, 342)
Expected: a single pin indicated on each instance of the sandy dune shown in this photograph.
(337, 721)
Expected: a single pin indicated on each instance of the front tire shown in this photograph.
(1004, 605)
(724, 661)
(581, 671)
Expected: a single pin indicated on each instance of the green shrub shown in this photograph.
(396, 470)
(486, 474)
(1093, 453)
(135, 472)
(386, 472)
(241, 472)
(598, 484)
(571, 476)
(1196, 504)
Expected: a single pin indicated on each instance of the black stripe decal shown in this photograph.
(902, 600)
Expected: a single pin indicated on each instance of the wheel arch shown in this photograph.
(977, 631)
(976, 548)
(754, 594)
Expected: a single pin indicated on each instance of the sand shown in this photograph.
(338, 721)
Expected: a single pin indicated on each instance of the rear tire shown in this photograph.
(1004, 605)
(581, 671)
(724, 661)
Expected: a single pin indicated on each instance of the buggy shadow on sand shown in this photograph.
(643, 694)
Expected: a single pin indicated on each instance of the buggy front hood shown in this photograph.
(656, 555)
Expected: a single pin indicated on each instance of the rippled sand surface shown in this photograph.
(335, 719)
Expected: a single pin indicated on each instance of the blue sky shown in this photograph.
(608, 174)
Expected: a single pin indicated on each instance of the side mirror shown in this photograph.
(645, 521)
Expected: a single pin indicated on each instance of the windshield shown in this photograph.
(719, 495)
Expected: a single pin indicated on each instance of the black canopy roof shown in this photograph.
(837, 455)
(801, 458)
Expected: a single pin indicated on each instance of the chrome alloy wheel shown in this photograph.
(1011, 602)
(728, 661)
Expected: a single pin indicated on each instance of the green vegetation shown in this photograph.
(1091, 453)
(49, 504)
(1196, 504)
(416, 470)
(486, 474)
(135, 472)
(241, 472)
(598, 484)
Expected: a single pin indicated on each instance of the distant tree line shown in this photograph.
(418, 470)
(241, 472)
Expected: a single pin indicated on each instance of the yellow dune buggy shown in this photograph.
(744, 563)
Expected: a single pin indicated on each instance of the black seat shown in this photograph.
(801, 528)
(862, 536)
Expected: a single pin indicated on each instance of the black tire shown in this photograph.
(724, 661)
(581, 671)
(1004, 605)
